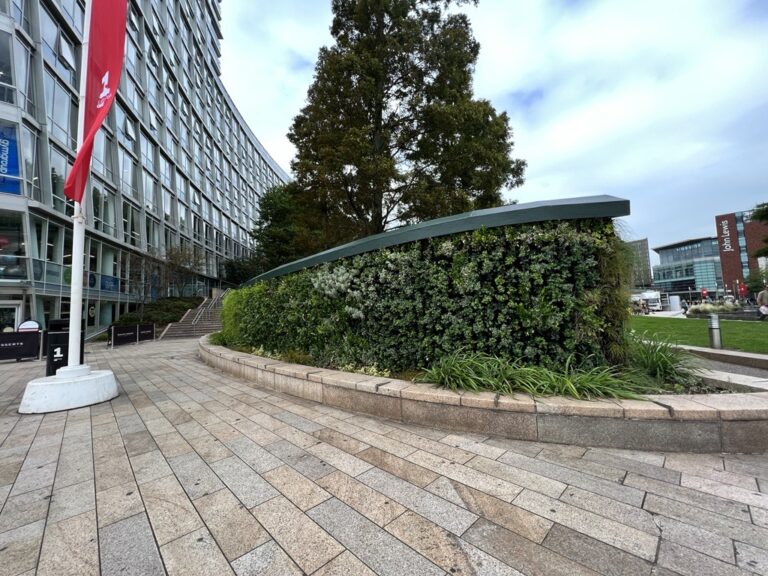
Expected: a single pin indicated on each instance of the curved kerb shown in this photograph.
(545, 210)
(668, 423)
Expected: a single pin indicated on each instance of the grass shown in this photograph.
(736, 335)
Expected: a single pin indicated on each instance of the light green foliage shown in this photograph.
(714, 308)
(544, 293)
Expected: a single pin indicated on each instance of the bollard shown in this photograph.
(714, 332)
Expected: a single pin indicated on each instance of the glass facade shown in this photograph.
(688, 267)
(174, 165)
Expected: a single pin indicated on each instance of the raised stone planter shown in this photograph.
(701, 423)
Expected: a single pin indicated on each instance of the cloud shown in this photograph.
(664, 103)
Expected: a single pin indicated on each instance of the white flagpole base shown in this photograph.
(72, 387)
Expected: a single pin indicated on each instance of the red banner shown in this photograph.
(106, 49)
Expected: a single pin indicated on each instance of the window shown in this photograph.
(182, 185)
(147, 153)
(101, 161)
(7, 90)
(31, 163)
(61, 111)
(153, 126)
(127, 167)
(59, 170)
(152, 234)
(133, 20)
(20, 9)
(165, 171)
(150, 192)
(132, 56)
(58, 51)
(183, 225)
(167, 206)
(10, 176)
(126, 132)
(131, 224)
(24, 80)
(133, 92)
(73, 13)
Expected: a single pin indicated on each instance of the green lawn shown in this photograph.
(736, 335)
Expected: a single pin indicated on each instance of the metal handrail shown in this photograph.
(200, 310)
(205, 308)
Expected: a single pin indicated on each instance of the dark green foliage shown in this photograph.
(391, 130)
(239, 270)
(542, 293)
(162, 311)
(293, 224)
(756, 280)
(761, 215)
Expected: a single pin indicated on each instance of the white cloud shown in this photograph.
(664, 103)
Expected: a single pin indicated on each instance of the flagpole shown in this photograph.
(76, 385)
(78, 218)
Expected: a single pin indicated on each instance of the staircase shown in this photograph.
(205, 319)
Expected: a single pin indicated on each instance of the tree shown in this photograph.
(183, 264)
(147, 277)
(293, 224)
(239, 270)
(761, 214)
(756, 281)
(391, 131)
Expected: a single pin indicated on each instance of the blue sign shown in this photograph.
(109, 283)
(9, 160)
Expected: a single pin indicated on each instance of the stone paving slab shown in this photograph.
(194, 471)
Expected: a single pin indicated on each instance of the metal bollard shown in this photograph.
(714, 332)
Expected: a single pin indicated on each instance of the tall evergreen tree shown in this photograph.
(391, 130)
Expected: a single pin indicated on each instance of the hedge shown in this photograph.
(538, 292)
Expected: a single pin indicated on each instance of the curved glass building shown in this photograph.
(176, 172)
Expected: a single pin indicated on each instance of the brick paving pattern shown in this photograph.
(190, 471)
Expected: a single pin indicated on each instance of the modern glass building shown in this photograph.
(687, 267)
(176, 172)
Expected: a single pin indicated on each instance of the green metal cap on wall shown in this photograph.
(544, 210)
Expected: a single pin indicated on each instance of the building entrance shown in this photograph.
(10, 316)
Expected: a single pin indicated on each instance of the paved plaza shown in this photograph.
(191, 471)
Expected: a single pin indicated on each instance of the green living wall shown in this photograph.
(541, 292)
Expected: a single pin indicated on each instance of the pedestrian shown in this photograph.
(762, 303)
(685, 307)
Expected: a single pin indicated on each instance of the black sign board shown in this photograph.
(58, 325)
(146, 332)
(57, 350)
(124, 335)
(18, 345)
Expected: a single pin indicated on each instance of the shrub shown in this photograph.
(714, 308)
(654, 359)
(477, 372)
(542, 292)
(162, 311)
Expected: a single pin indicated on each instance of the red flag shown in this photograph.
(106, 48)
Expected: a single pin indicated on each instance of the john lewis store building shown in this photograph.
(175, 165)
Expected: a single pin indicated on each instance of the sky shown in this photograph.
(661, 102)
